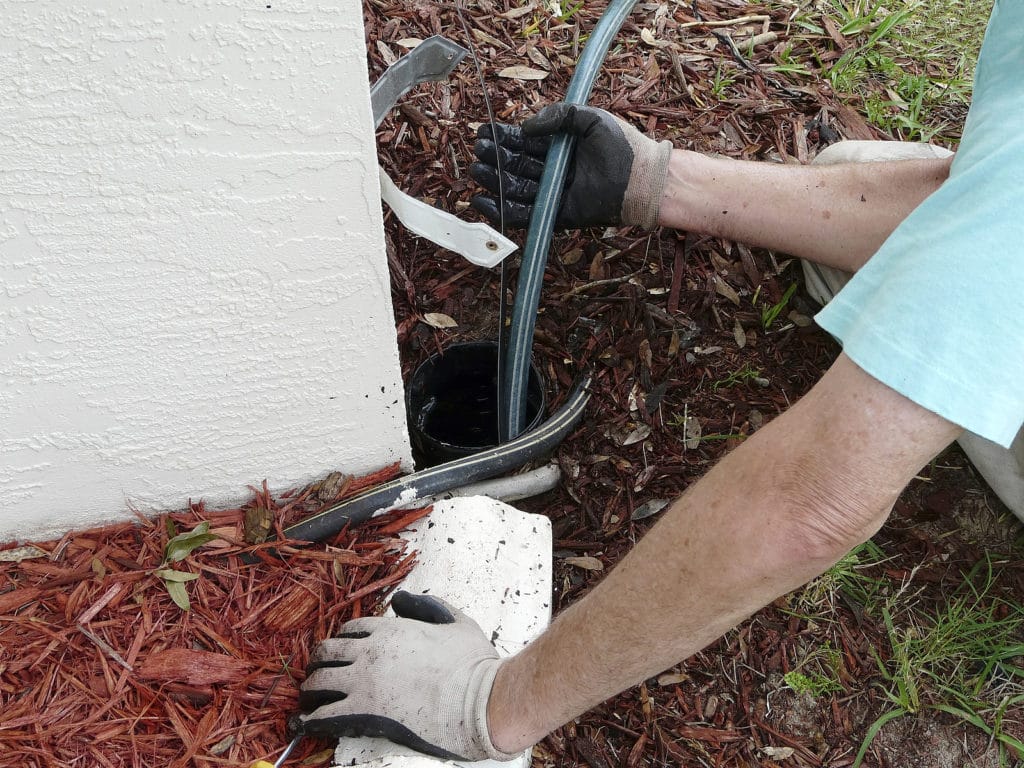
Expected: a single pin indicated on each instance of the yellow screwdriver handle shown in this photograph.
(281, 759)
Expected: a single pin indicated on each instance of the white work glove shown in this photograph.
(421, 680)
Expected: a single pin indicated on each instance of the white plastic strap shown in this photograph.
(476, 242)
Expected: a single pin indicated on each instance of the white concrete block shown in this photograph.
(194, 292)
(491, 561)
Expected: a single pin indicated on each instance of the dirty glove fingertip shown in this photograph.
(552, 119)
(427, 608)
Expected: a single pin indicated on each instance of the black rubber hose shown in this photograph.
(489, 463)
(542, 224)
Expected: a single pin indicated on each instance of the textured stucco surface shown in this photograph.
(193, 289)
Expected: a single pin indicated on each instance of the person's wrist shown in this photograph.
(645, 189)
(478, 687)
(673, 208)
(507, 715)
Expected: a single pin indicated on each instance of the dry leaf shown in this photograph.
(778, 753)
(640, 432)
(18, 554)
(635, 393)
(538, 58)
(692, 433)
(644, 478)
(799, 320)
(648, 37)
(483, 37)
(674, 344)
(649, 509)
(571, 256)
(586, 562)
(646, 356)
(517, 13)
(520, 72)
(439, 320)
(319, 758)
(408, 42)
(756, 418)
(672, 678)
(386, 53)
(739, 334)
(722, 288)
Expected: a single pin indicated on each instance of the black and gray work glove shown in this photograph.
(617, 175)
(421, 680)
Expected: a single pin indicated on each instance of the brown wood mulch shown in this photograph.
(686, 364)
(99, 667)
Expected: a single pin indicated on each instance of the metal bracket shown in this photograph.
(433, 59)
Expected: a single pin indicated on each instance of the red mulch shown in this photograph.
(98, 667)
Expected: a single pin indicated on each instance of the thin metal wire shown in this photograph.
(503, 280)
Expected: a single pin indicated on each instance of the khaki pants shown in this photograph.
(1002, 468)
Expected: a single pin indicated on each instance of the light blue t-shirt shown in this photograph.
(938, 312)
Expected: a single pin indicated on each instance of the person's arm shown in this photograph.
(837, 215)
(777, 511)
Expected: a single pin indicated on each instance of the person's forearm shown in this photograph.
(837, 215)
(714, 559)
(776, 512)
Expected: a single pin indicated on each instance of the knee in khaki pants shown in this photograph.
(1002, 468)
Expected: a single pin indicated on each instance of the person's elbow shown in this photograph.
(828, 511)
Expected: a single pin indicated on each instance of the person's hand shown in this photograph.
(421, 680)
(617, 175)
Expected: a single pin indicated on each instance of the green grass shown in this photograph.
(849, 581)
(770, 312)
(964, 657)
(817, 673)
(744, 374)
(909, 63)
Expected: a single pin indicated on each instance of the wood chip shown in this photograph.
(99, 667)
(183, 665)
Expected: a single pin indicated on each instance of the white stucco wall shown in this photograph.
(194, 294)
